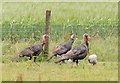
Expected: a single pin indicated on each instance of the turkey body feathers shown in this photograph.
(37, 49)
(61, 49)
(31, 51)
(77, 53)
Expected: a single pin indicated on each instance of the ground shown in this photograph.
(103, 71)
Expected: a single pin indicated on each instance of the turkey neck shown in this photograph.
(87, 44)
(43, 44)
(71, 41)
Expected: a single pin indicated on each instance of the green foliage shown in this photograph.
(23, 25)
(26, 21)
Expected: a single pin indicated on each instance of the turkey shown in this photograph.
(92, 59)
(34, 50)
(76, 53)
(62, 48)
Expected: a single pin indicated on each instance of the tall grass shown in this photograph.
(25, 22)
(23, 25)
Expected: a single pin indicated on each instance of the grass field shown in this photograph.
(50, 72)
(23, 25)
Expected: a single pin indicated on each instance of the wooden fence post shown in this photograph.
(47, 29)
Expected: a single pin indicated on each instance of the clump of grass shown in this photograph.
(19, 78)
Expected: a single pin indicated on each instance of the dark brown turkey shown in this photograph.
(34, 50)
(77, 53)
(62, 48)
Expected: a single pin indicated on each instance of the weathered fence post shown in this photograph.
(47, 29)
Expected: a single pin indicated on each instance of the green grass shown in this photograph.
(52, 72)
(23, 25)
(106, 69)
(105, 49)
(26, 21)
